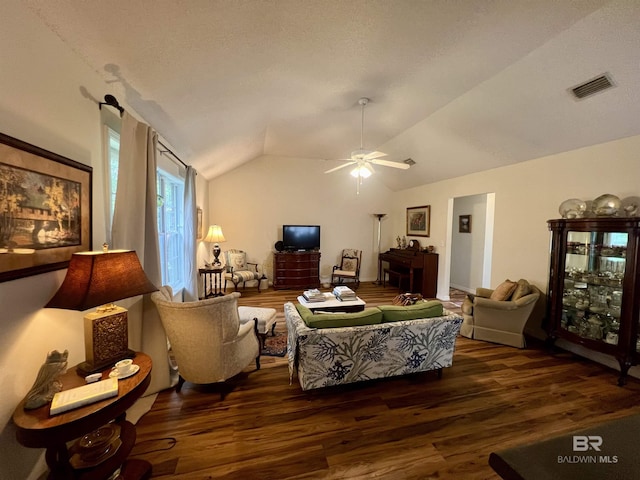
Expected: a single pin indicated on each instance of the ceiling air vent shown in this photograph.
(592, 87)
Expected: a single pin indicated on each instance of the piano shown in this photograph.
(422, 268)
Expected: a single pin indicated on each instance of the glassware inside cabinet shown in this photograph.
(595, 265)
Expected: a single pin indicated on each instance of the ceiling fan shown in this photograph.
(365, 159)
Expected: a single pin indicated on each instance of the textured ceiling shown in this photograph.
(459, 86)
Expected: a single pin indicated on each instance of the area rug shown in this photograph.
(275, 346)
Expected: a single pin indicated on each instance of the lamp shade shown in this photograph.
(99, 278)
(214, 235)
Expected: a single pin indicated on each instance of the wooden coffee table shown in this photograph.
(332, 304)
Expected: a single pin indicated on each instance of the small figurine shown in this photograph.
(404, 242)
(47, 383)
(398, 241)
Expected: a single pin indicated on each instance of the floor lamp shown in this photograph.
(379, 216)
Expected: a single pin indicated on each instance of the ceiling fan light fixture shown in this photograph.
(363, 160)
(362, 171)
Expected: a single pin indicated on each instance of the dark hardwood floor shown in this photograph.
(414, 427)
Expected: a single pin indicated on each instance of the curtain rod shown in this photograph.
(167, 150)
(112, 101)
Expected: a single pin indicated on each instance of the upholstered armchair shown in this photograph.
(208, 341)
(349, 268)
(239, 270)
(500, 315)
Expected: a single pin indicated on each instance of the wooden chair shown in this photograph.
(349, 268)
(238, 270)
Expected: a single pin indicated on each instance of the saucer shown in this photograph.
(132, 371)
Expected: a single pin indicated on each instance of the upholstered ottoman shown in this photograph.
(266, 320)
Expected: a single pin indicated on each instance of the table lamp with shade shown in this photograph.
(215, 236)
(96, 279)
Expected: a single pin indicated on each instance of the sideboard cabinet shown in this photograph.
(296, 270)
(594, 282)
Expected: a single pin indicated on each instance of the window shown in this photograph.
(171, 229)
(170, 211)
(113, 157)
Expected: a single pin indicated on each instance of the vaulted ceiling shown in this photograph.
(458, 86)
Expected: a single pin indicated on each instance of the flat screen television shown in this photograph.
(301, 237)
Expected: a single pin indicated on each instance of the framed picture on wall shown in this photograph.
(45, 209)
(464, 225)
(418, 221)
(198, 223)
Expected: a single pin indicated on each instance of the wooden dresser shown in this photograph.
(296, 270)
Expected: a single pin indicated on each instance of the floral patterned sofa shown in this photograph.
(324, 357)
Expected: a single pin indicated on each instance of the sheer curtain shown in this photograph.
(190, 222)
(135, 228)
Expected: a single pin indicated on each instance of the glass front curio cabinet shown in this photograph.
(594, 286)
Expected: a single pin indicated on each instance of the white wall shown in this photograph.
(526, 196)
(467, 249)
(252, 202)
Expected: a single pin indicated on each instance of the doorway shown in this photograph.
(470, 221)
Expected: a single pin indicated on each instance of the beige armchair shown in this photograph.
(496, 320)
(207, 339)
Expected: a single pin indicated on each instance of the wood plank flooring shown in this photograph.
(414, 427)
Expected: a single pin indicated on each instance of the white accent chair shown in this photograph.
(239, 270)
(208, 341)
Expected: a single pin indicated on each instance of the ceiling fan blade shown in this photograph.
(350, 162)
(387, 163)
(372, 155)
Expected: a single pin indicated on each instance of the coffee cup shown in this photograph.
(123, 367)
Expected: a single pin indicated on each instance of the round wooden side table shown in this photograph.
(37, 429)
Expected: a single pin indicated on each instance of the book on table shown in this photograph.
(84, 395)
(344, 293)
(342, 290)
(313, 295)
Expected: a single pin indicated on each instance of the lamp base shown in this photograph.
(106, 340)
(216, 254)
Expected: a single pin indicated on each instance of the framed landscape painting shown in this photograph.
(418, 220)
(45, 209)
